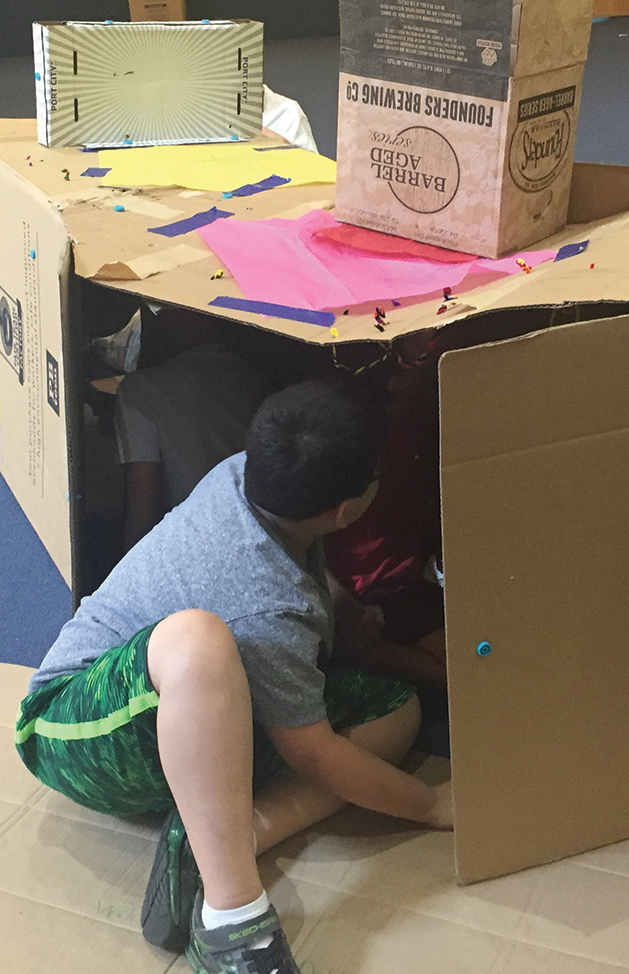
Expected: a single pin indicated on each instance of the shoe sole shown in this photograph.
(158, 925)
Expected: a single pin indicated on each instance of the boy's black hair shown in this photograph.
(312, 446)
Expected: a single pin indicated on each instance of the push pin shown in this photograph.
(380, 313)
(119, 208)
(346, 312)
(379, 326)
(523, 265)
(591, 267)
(217, 276)
(442, 309)
(334, 332)
(447, 294)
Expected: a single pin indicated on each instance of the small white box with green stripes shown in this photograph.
(117, 84)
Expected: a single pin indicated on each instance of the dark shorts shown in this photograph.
(92, 735)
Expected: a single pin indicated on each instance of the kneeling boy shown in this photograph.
(200, 666)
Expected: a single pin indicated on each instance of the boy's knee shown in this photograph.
(193, 644)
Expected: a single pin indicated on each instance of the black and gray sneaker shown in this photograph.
(228, 950)
(171, 889)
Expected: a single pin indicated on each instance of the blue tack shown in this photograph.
(227, 196)
(128, 141)
(205, 21)
(109, 21)
(119, 209)
(37, 76)
(234, 138)
(33, 254)
(483, 649)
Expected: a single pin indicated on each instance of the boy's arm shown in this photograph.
(357, 776)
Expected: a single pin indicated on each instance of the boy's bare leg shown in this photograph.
(204, 727)
(292, 803)
(204, 730)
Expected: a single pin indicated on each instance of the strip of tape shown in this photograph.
(323, 318)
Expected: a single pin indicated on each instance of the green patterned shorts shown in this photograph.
(92, 735)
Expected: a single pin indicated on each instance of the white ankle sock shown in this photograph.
(212, 918)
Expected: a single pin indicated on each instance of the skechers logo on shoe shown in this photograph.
(248, 931)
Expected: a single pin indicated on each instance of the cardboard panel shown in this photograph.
(535, 445)
(34, 255)
(598, 191)
(611, 8)
(552, 35)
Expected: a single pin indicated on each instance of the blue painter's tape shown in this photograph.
(191, 223)
(572, 250)
(95, 171)
(323, 318)
(250, 189)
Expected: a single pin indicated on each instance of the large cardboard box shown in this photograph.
(114, 84)
(534, 405)
(157, 9)
(457, 121)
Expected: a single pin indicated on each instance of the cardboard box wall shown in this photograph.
(119, 84)
(533, 465)
(457, 122)
(157, 9)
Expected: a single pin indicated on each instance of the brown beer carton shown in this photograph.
(457, 120)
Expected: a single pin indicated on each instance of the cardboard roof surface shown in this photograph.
(359, 894)
(600, 196)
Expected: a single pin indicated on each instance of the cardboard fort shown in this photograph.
(457, 120)
(109, 84)
(534, 404)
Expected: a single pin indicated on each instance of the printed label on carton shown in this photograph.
(542, 140)
(454, 45)
(420, 163)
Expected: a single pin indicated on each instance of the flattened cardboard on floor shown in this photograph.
(38, 201)
(358, 894)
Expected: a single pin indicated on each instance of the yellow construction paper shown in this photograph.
(220, 168)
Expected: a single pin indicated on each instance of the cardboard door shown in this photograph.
(535, 492)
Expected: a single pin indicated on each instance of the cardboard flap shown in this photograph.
(552, 35)
(535, 441)
(598, 192)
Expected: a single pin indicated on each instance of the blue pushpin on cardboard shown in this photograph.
(118, 208)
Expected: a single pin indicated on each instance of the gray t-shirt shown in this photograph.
(215, 552)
